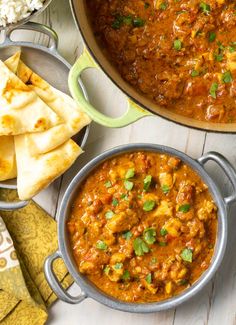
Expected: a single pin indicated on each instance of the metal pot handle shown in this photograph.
(133, 113)
(55, 284)
(9, 206)
(227, 168)
(34, 27)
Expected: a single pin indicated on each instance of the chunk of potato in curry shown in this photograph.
(138, 238)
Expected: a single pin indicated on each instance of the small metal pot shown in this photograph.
(48, 63)
(25, 20)
(90, 290)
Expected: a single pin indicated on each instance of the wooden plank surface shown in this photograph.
(216, 304)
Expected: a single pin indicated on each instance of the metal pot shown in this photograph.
(25, 20)
(138, 105)
(90, 290)
(48, 63)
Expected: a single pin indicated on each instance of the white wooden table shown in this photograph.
(216, 304)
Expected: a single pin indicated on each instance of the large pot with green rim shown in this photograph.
(138, 105)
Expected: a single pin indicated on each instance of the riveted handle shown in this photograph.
(56, 285)
(10, 206)
(36, 27)
(133, 113)
(227, 168)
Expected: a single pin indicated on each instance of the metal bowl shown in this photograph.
(25, 20)
(88, 288)
(49, 64)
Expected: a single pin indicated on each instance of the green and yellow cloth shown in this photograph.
(27, 237)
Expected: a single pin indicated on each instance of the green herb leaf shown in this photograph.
(177, 45)
(109, 214)
(140, 247)
(163, 232)
(107, 269)
(130, 173)
(127, 235)
(165, 189)
(115, 202)
(124, 196)
(212, 37)
(149, 278)
(101, 245)
(182, 282)
(154, 260)
(218, 57)
(163, 6)
(205, 7)
(149, 205)
(149, 235)
(213, 89)
(118, 266)
(138, 22)
(162, 243)
(187, 255)
(128, 185)
(126, 275)
(184, 208)
(147, 182)
(227, 77)
(108, 184)
(194, 73)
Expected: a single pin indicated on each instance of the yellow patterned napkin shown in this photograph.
(27, 237)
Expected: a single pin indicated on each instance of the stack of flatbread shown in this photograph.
(37, 122)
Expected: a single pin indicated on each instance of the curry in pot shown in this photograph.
(143, 227)
(179, 53)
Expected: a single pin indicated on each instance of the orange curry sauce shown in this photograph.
(143, 227)
(179, 53)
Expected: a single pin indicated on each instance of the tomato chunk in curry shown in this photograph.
(143, 227)
(179, 53)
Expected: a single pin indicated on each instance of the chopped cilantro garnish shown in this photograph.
(165, 189)
(149, 205)
(147, 182)
(227, 77)
(101, 245)
(108, 184)
(184, 208)
(149, 235)
(205, 7)
(130, 173)
(213, 89)
(109, 214)
(163, 232)
(115, 202)
(127, 235)
(177, 45)
(128, 185)
(149, 278)
(140, 247)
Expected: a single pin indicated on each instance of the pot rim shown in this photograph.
(91, 290)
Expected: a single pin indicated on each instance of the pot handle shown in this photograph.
(55, 284)
(133, 113)
(10, 206)
(33, 26)
(227, 168)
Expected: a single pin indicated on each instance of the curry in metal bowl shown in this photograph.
(143, 227)
(180, 54)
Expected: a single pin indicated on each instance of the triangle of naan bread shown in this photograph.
(63, 105)
(22, 111)
(7, 158)
(7, 149)
(35, 173)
